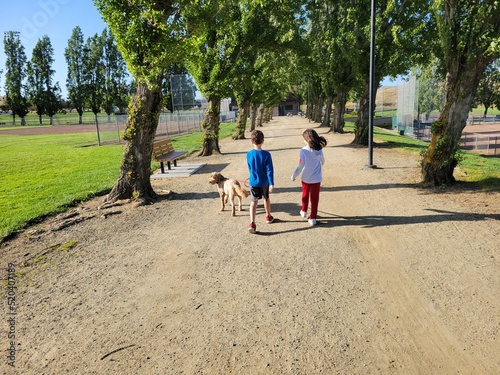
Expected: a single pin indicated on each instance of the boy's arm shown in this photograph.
(270, 174)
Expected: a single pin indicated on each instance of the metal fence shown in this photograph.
(483, 143)
(169, 125)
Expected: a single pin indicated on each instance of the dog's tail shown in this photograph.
(240, 191)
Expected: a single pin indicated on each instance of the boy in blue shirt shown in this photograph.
(261, 181)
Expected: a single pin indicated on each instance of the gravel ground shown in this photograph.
(394, 279)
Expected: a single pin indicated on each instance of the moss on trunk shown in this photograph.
(134, 181)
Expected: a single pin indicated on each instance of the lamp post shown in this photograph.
(371, 88)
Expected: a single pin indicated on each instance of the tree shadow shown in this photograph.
(372, 221)
(209, 168)
(171, 196)
(486, 185)
(298, 189)
(267, 149)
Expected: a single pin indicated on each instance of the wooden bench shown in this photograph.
(163, 151)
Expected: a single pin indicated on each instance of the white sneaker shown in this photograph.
(312, 221)
(303, 214)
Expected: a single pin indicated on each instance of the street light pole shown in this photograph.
(371, 87)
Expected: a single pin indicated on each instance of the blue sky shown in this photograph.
(54, 18)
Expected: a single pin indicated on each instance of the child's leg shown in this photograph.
(267, 206)
(305, 196)
(314, 195)
(253, 210)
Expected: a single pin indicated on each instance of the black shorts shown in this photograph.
(257, 193)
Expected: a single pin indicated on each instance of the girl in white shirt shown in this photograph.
(310, 164)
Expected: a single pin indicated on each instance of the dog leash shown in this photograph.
(244, 182)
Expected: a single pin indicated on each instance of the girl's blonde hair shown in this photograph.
(314, 141)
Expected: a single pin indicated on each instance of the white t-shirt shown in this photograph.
(310, 165)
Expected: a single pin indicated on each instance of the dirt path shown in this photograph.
(393, 280)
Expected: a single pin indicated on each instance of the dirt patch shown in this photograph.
(394, 278)
(55, 129)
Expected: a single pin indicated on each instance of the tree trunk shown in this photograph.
(317, 110)
(328, 111)
(361, 125)
(80, 118)
(253, 116)
(441, 156)
(210, 126)
(338, 114)
(135, 172)
(242, 119)
(268, 114)
(260, 116)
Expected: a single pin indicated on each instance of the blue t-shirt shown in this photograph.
(260, 167)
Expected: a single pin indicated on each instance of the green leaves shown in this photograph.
(151, 35)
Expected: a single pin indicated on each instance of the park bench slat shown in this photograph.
(163, 151)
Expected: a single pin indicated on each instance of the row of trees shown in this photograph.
(255, 50)
(97, 73)
(97, 76)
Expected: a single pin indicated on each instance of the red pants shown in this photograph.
(310, 192)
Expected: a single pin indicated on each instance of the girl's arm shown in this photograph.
(298, 170)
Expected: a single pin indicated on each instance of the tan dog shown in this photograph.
(228, 188)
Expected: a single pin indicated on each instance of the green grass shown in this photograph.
(58, 119)
(45, 174)
(480, 172)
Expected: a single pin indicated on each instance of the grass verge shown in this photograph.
(480, 172)
(45, 174)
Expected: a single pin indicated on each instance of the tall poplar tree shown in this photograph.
(211, 65)
(94, 74)
(15, 75)
(43, 93)
(115, 73)
(151, 35)
(75, 58)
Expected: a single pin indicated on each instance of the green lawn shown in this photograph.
(45, 174)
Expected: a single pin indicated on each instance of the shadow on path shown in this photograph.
(371, 221)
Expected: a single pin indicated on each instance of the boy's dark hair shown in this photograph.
(257, 137)
(314, 141)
